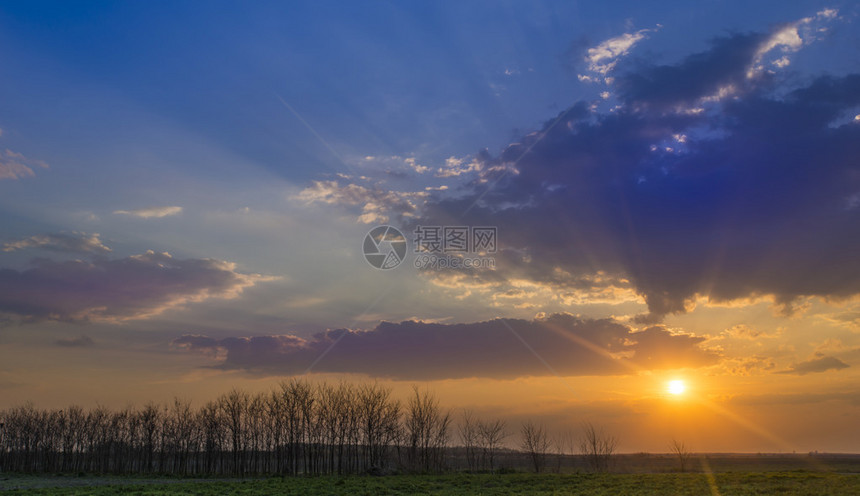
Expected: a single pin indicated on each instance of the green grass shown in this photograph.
(733, 483)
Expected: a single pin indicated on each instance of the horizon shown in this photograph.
(648, 219)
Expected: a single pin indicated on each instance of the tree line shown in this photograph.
(297, 428)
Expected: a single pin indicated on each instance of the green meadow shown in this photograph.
(725, 484)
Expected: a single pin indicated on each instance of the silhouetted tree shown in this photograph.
(470, 436)
(426, 430)
(535, 442)
(491, 434)
(681, 452)
(597, 446)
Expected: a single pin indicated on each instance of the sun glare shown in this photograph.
(676, 387)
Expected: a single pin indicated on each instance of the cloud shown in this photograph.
(75, 242)
(16, 166)
(602, 59)
(789, 39)
(151, 212)
(386, 166)
(82, 341)
(134, 287)
(742, 331)
(830, 344)
(746, 205)
(455, 167)
(745, 366)
(421, 169)
(734, 66)
(377, 205)
(712, 75)
(819, 364)
(850, 319)
(426, 351)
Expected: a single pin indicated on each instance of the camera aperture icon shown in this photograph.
(384, 247)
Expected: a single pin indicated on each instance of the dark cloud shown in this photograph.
(75, 242)
(423, 351)
(748, 195)
(819, 364)
(132, 287)
(670, 87)
(82, 341)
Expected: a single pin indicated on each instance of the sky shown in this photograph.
(187, 191)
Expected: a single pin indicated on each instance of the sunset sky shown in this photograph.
(185, 189)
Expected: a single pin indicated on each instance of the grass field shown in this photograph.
(730, 483)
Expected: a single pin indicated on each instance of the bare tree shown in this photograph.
(597, 446)
(379, 424)
(209, 421)
(564, 444)
(426, 430)
(535, 442)
(470, 437)
(681, 452)
(491, 434)
(150, 430)
(235, 407)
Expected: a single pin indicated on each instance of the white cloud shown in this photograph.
(791, 38)
(827, 14)
(455, 167)
(416, 166)
(16, 166)
(782, 62)
(74, 242)
(721, 94)
(602, 58)
(786, 38)
(151, 212)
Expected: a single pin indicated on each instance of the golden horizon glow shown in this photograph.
(676, 387)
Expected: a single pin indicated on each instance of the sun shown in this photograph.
(676, 387)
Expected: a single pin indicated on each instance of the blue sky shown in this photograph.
(679, 170)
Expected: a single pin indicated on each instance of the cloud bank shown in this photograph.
(493, 349)
(134, 287)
